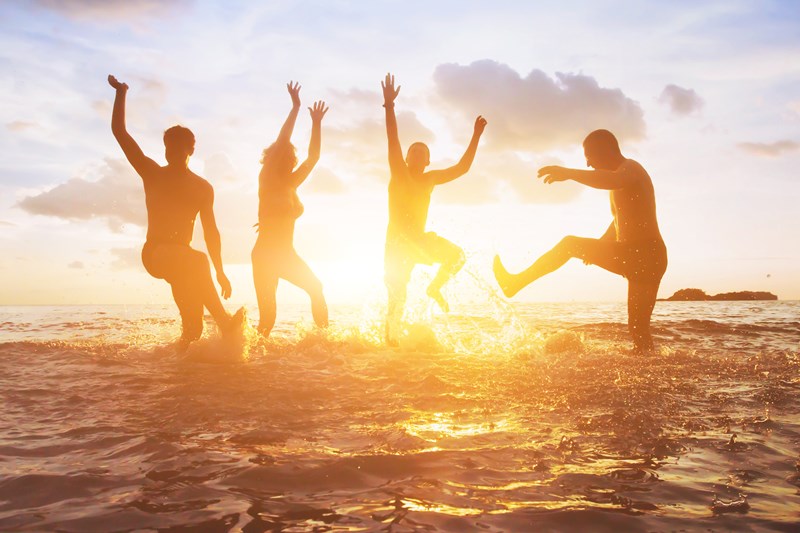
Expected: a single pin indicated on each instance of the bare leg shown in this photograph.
(398, 274)
(298, 273)
(595, 251)
(191, 310)
(451, 264)
(265, 280)
(189, 274)
(641, 301)
(204, 285)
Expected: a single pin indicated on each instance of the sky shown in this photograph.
(705, 95)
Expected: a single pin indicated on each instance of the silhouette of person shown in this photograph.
(174, 196)
(407, 242)
(274, 256)
(631, 246)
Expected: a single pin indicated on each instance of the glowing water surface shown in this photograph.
(497, 417)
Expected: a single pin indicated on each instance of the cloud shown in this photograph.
(681, 101)
(773, 149)
(126, 258)
(76, 265)
(536, 112)
(794, 107)
(6, 223)
(20, 125)
(103, 10)
(324, 181)
(355, 98)
(218, 167)
(361, 150)
(116, 196)
(505, 172)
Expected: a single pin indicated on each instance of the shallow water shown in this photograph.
(497, 418)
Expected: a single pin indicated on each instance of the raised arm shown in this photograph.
(213, 241)
(140, 162)
(317, 112)
(462, 167)
(389, 95)
(597, 179)
(285, 136)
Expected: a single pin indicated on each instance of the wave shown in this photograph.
(498, 422)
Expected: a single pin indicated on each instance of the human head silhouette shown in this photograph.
(602, 150)
(280, 157)
(178, 145)
(418, 157)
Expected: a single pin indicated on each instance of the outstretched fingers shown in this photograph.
(551, 174)
(318, 110)
(294, 91)
(389, 90)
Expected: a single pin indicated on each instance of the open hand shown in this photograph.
(318, 111)
(389, 92)
(480, 124)
(553, 173)
(116, 84)
(225, 285)
(294, 92)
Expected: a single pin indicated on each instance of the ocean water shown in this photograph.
(498, 417)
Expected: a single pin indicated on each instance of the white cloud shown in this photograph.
(323, 181)
(20, 125)
(78, 265)
(773, 149)
(126, 258)
(115, 194)
(112, 9)
(536, 112)
(505, 172)
(681, 101)
(218, 167)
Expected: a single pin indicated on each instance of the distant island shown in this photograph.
(699, 295)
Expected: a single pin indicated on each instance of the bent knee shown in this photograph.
(457, 258)
(569, 242)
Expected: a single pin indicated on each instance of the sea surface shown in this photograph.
(497, 417)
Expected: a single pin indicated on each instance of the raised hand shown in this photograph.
(116, 84)
(389, 92)
(318, 111)
(553, 173)
(294, 92)
(480, 125)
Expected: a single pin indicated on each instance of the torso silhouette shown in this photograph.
(278, 208)
(409, 200)
(174, 197)
(634, 207)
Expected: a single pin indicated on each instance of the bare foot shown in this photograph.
(183, 344)
(504, 279)
(436, 294)
(236, 323)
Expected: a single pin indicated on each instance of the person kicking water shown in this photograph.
(174, 196)
(410, 187)
(631, 246)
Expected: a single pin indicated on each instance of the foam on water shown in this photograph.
(498, 418)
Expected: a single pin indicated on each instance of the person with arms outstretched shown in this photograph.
(174, 196)
(274, 256)
(407, 242)
(631, 246)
